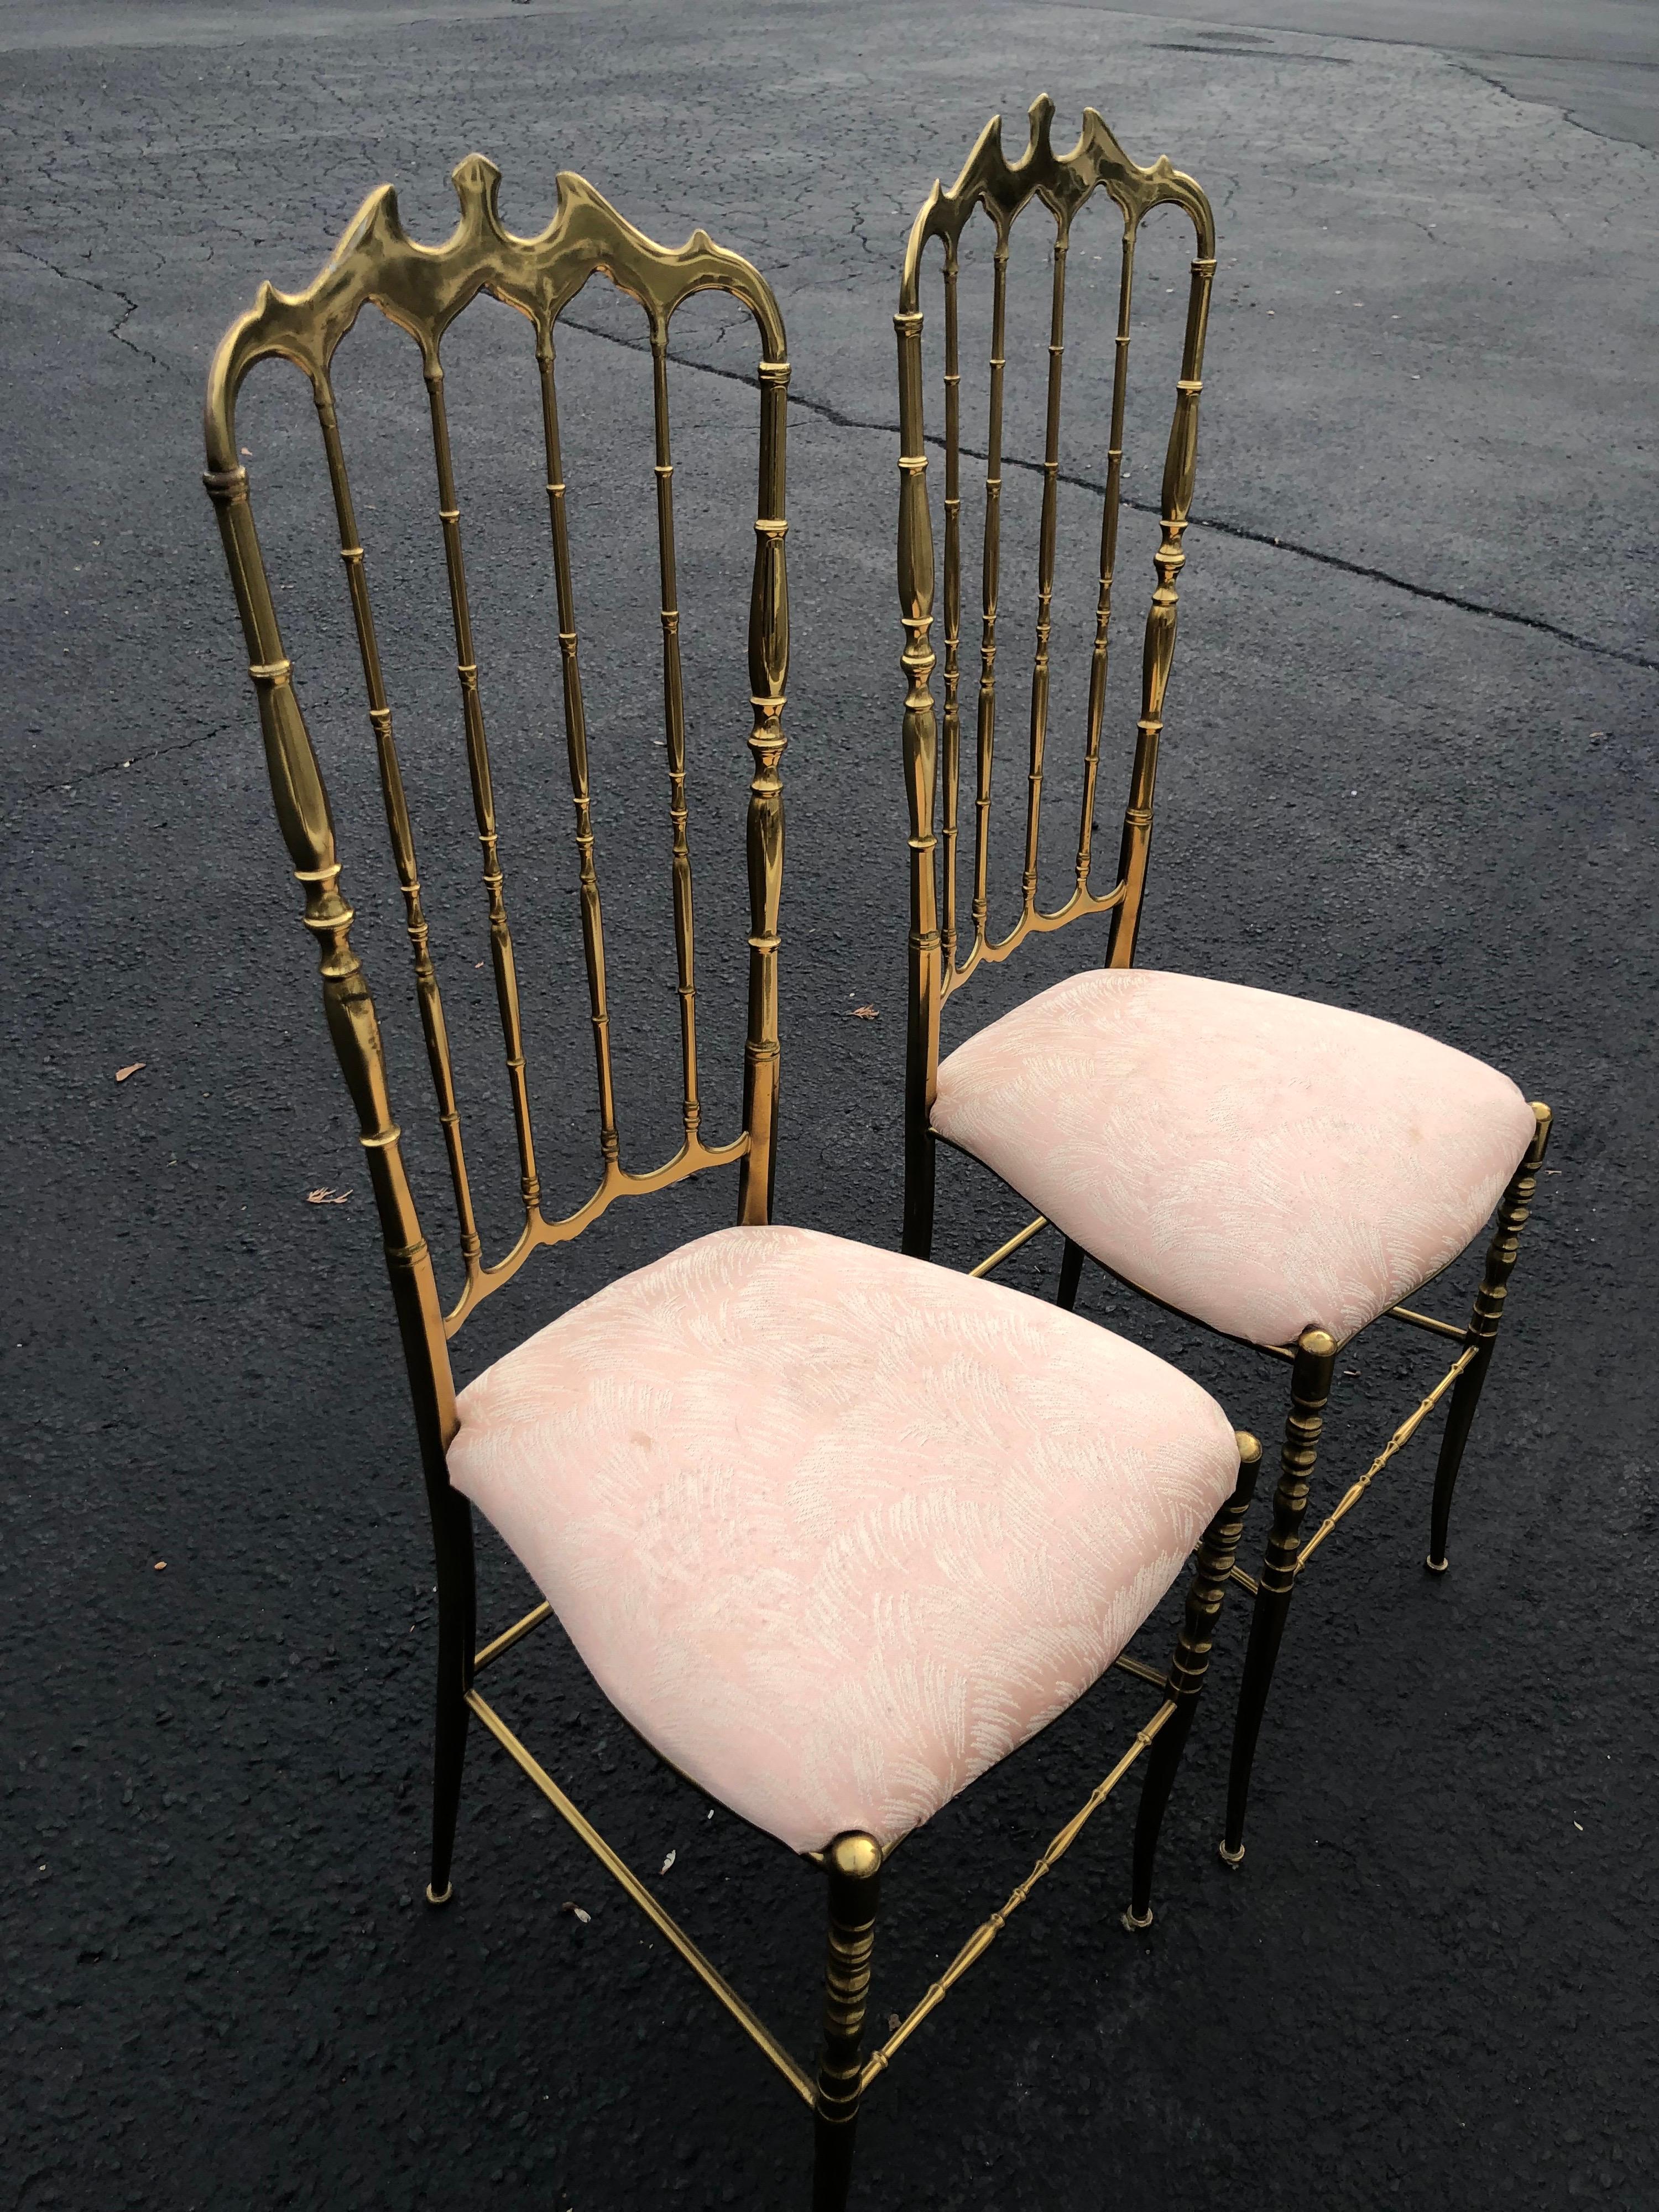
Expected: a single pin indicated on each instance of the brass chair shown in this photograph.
(833, 1530)
(1281, 1172)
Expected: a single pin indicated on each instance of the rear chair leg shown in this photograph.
(1218, 1548)
(452, 1529)
(854, 1861)
(1311, 1386)
(1071, 1276)
(1488, 1301)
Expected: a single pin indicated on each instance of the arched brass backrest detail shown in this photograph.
(422, 289)
(939, 963)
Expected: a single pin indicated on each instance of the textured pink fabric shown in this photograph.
(835, 1530)
(1259, 1162)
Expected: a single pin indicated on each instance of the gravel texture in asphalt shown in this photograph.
(1409, 768)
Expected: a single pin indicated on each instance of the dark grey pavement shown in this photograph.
(1410, 768)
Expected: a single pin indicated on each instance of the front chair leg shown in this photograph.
(1218, 1548)
(452, 1530)
(1311, 1386)
(1488, 1301)
(853, 1864)
(1071, 1276)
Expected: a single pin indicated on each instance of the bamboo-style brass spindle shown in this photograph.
(673, 699)
(920, 742)
(307, 827)
(951, 760)
(1111, 503)
(484, 795)
(853, 1863)
(990, 581)
(1311, 1386)
(434, 1027)
(575, 740)
(769, 676)
(1045, 541)
(1218, 1549)
(1513, 1212)
(1180, 463)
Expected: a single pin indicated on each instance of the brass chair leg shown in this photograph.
(1071, 1275)
(1488, 1301)
(452, 1528)
(855, 1867)
(1218, 1548)
(920, 1167)
(1311, 1386)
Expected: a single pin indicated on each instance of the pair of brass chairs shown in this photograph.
(833, 1528)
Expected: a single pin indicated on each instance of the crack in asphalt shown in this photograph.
(130, 306)
(57, 787)
(1545, 99)
(1223, 528)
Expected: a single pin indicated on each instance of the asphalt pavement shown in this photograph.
(1409, 768)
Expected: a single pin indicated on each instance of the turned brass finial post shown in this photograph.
(1488, 1301)
(921, 746)
(853, 1864)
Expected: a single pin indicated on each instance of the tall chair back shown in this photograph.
(423, 290)
(943, 954)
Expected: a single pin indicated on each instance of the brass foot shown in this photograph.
(1230, 1859)
(1436, 1566)
(1135, 1922)
(432, 1897)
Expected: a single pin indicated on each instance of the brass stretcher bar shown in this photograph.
(1402, 1435)
(977, 1944)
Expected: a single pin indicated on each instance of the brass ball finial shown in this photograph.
(855, 1855)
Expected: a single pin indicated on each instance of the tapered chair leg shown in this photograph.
(452, 1526)
(1488, 1301)
(1311, 1386)
(1071, 1275)
(1218, 1548)
(853, 1862)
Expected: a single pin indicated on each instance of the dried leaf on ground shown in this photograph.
(668, 1862)
(131, 1068)
(866, 1014)
(324, 1195)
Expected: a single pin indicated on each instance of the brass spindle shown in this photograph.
(951, 762)
(1180, 461)
(768, 675)
(303, 809)
(1108, 519)
(575, 738)
(483, 797)
(921, 746)
(988, 583)
(673, 700)
(1045, 573)
(434, 1027)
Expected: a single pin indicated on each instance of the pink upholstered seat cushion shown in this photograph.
(1261, 1162)
(835, 1530)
